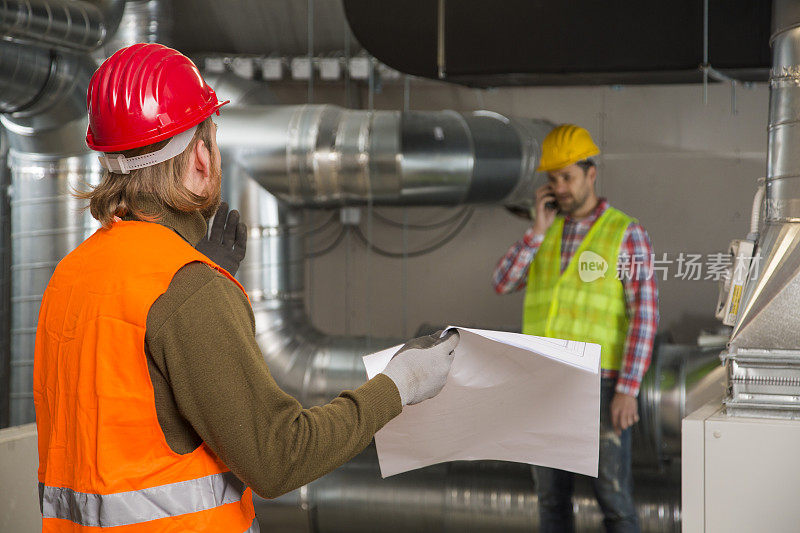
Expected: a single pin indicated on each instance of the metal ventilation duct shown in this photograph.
(262, 27)
(5, 281)
(769, 315)
(43, 101)
(143, 21)
(311, 365)
(324, 155)
(494, 496)
(579, 42)
(43, 96)
(77, 25)
(479, 497)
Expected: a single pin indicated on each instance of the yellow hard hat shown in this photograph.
(564, 145)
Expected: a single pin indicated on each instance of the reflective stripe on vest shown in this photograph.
(133, 507)
(586, 306)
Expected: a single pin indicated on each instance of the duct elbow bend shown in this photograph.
(78, 26)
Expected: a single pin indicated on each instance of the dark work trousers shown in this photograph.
(613, 487)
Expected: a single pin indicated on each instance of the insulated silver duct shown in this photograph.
(43, 99)
(310, 365)
(324, 155)
(77, 25)
(143, 21)
(498, 496)
(771, 298)
(482, 496)
(319, 156)
(47, 223)
(43, 96)
(763, 357)
(5, 281)
(48, 160)
(681, 379)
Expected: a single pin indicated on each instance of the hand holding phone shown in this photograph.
(546, 208)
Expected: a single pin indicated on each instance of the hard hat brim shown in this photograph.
(557, 165)
(160, 134)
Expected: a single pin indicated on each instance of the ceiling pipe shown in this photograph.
(143, 21)
(76, 25)
(43, 90)
(310, 365)
(43, 110)
(280, 158)
(327, 156)
(43, 99)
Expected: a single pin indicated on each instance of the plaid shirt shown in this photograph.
(634, 270)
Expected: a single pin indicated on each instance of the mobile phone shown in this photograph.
(551, 205)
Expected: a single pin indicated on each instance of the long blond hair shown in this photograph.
(119, 195)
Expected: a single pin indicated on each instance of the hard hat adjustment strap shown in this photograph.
(119, 164)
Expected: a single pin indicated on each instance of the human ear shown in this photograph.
(592, 174)
(202, 158)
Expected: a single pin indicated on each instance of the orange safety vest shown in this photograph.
(103, 460)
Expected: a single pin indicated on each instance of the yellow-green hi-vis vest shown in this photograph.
(587, 302)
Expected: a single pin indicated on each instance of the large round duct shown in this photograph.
(474, 497)
(78, 25)
(47, 222)
(326, 156)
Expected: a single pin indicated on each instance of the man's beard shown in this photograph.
(216, 195)
(575, 204)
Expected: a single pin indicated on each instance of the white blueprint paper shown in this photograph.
(509, 397)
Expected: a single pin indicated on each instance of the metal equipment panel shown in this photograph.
(748, 477)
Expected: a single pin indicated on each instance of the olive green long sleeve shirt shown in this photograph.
(211, 385)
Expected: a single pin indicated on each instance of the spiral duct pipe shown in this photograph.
(143, 21)
(76, 25)
(327, 156)
(43, 106)
(772, 294)
(48, 160)
(478, 497)
(312, 366)
(339, 157)
(5, 281)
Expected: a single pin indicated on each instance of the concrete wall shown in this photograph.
(687, 170)
(19, 459)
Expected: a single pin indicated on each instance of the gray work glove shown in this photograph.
(421, 366)
(228, 240)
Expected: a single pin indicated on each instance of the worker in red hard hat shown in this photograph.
(154, 407)
(586, 268)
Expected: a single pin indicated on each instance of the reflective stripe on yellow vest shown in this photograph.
(587, 302)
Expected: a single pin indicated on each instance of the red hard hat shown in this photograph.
(143, 94)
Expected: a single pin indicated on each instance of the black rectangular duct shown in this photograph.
(539, 42)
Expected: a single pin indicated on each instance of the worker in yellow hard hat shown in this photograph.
(587, 271)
